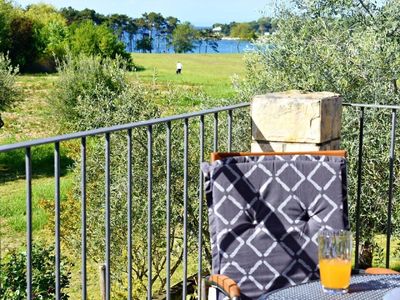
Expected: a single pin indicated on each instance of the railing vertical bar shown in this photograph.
(83, 217)
(359, 185)
(129, 209)
(391, 177)
(28, 175)
(149, 208)
(229, 130)
(57, 216)
(168, 207)
(215, 147)
(200, 237)
(107, 212)
(185, 205)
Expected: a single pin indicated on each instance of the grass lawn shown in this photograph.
(32, 117)
(210, 72)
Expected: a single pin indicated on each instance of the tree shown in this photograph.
(208, 37)
(118, 24)
(91, 39)
(242, 31)
(22, 48)
(351, 48)
(75, 16)
(171, 23)
(144, 44)
(158, 25)
(183, 38)
(50, 35)
(262, 25)
(6, 15)
(225, 28)
(70, 14)
(131, 29)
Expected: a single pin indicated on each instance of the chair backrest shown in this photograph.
(265, 212)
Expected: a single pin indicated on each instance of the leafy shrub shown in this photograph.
(13, 274)
(9, 92)
(87, 78)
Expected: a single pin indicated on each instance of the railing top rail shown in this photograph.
(98, 131)
(380, 106)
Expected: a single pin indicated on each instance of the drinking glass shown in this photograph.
(335, 260)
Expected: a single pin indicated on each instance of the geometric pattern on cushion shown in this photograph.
(265, 213)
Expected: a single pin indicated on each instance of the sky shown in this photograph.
(197, 12)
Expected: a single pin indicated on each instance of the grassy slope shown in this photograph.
(31, 117)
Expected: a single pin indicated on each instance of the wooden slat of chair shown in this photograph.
(225, 284)
(380, 271)
(220, 155)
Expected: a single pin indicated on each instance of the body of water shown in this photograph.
(160, 45)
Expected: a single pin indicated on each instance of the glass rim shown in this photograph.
(335, 232)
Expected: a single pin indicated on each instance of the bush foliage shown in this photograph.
(13, 274)
(351, 48)
(85, 79)
(36, 37)
(9, 93)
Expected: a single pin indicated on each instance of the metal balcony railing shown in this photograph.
(126, 129)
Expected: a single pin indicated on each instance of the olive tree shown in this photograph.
(352, 48)
(94, 93)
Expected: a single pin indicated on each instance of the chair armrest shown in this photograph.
(225, 284)
(380, 271)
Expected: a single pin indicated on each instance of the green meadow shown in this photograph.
(211, 73)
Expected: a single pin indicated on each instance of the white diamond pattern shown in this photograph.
(256, 234)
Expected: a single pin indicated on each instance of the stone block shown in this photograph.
(296, 117)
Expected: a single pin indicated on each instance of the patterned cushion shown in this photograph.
(265, 213)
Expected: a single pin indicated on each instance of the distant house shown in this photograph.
(217, 29)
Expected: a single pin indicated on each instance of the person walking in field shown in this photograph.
(179, 68)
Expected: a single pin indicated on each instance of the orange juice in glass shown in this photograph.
(335, 260)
